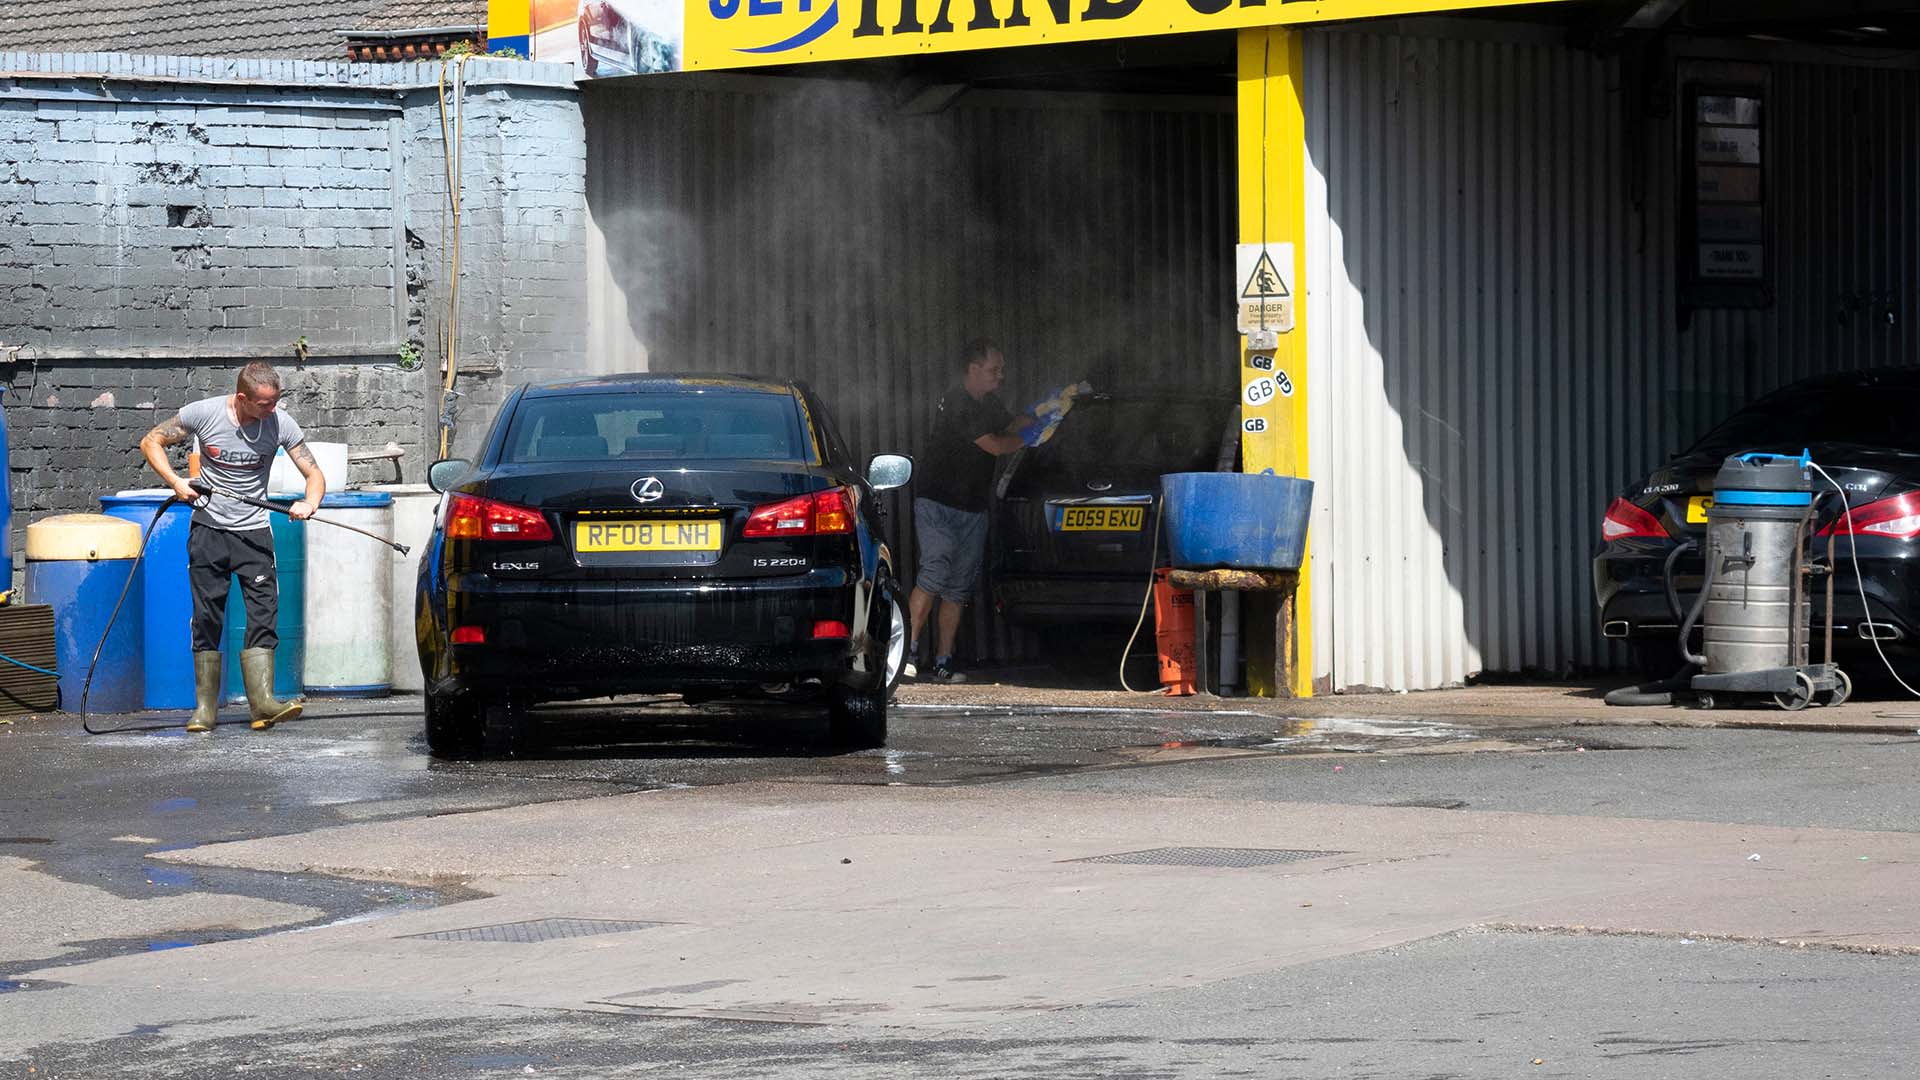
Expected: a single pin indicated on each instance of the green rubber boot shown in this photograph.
(256, 670)
(206, 692)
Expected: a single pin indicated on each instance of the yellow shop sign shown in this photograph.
(745, 33)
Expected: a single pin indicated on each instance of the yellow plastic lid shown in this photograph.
(82, 537)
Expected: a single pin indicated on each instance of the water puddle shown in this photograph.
(1355, 735)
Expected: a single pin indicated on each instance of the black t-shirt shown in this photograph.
(953, 469)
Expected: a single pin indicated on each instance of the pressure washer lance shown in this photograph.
(206, 488)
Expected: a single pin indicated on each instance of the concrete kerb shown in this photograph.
(1535, 705)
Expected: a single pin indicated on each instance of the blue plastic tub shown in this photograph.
(1236, 521)
(81, 564)
(169, 599)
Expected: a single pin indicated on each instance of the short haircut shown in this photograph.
(256, 375)
(977, 351)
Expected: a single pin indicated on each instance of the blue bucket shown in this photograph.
(1236, 521)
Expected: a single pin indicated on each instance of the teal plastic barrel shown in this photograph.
(290, 657)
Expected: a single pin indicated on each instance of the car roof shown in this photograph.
(659, 382)
(1906, 375)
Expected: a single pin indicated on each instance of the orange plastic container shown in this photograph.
(1173, 633)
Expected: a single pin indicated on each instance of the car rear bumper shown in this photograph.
(589, 639)
(1633, 602)
(1068, 599)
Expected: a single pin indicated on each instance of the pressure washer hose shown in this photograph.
(133, 575)
(1152, 573)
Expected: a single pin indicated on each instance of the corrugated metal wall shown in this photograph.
(1494, 346)
(807, 228)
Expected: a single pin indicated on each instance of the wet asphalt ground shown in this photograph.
(87, 810)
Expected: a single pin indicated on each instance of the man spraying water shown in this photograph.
(238, 435)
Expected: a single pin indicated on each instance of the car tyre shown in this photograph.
(588, 62)
(896, 654)
(453, 728)
(503, 724)
(1656, 659)
(857, 719)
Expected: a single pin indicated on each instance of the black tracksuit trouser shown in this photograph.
(214, 557)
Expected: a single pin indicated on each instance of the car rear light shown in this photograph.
(1898, 518)
(473, 518)
(469, 635)
(830, 628)
(1625, 519)
(832, 511)
(829, 511)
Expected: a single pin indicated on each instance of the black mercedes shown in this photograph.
(1859, 426)
(705, 535)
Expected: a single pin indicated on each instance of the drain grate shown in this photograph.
(1211, 856)
(534, 930)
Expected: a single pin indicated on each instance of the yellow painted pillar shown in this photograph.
(1273, 216)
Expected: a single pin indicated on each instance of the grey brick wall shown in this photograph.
(164, 220)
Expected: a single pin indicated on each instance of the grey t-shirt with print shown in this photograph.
(237, 457)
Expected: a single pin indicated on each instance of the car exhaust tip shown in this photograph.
(1879, 631)
(1616, 628)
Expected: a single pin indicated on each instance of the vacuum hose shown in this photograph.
(1661, 691)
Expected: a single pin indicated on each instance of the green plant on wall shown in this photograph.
(411, 357)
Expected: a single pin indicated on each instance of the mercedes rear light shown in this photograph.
(821, 513)
(470, 517)
(1897, 518)
(1625, 520)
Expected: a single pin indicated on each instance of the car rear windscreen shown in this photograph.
(1106, 437)
(657, 426)
(1877, 416)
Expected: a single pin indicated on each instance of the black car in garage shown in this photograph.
(1072, 529)
(695, 534)
(1861, 427)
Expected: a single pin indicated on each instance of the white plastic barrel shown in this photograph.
(414, 506)
(285, 479)
(350, 598)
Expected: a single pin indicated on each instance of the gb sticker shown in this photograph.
(1262, 390)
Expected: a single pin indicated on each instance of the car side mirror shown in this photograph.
(888, 471)
(443, 474)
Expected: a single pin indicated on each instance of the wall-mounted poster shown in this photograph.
(607, 37)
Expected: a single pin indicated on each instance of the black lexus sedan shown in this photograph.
(1073, 527)
(695, 534)
(1860, 426)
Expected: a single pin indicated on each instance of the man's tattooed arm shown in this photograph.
(169, 432)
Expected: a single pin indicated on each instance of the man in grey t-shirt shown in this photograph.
(238, 436)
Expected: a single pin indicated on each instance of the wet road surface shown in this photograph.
(88, 811)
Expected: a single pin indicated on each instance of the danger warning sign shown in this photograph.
(1264, 273)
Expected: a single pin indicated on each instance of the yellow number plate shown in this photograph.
(700, 534)
(1102, 518)
(1697, 508)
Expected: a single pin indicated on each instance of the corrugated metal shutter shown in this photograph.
(1495, 350)
(808, 229)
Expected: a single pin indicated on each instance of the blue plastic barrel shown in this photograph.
(290, 656)
(1236, 521)
(80, 564)
(6, 504)
(167, 628)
